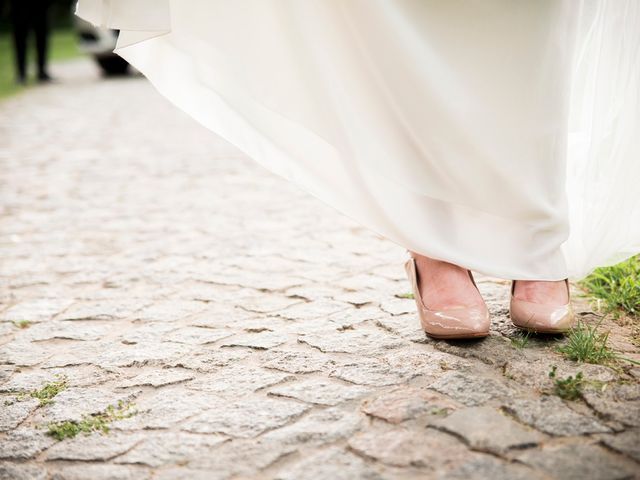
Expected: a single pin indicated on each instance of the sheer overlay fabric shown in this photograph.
(497, 135)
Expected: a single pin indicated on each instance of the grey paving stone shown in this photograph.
(241, 458)
(13, 411)
(268, 303)
(627, 443)
(24, 443)
(319, 427)
(399, 306)
(373, 371)
(331, 463)
(358, 298)
(21, 471)
(141, 354)
(359, 341)
(406, 326)
(551, 415)
(108, 309)
(579, 462)
(258, 340)
(488, 467)
(101, 472)
(8, 328)
(29, 381)
(96, 446)
(157, 378)
(470, 388)
(313, 310)
(259, 281)
(398, 366)
(367, 280)
(534, 371)
(407, 403)
(170, 310)
(493, 350)
(147, 332)
(35, 310)
(319, 391)
(157, 449)
(236, 380)
(245, 418)
(180, 473)
(210, 360)
(347, 319)
(487, 429)
(23, 353)
(51, 330)
(165, 408)
(75, 402)
(197, 335)
(297, 361)
(5, 372)
(401, 446)
(612, 404)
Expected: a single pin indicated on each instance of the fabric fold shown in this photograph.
(497, 135)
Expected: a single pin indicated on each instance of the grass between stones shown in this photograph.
(618, 286)
(48, 391)
(405, 295)
(520, 340)
(569, 388)
(585, 344)
(22, 323)
(98, 422)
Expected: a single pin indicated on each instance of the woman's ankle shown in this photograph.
(542, 291)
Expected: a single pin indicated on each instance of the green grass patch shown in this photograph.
(586, 344)
(91, 423)
(63, 45)
(520, 340)
(569, 388)
(618, 286)
(440, 412)
(405, 295)
(46, 394)
(22, 323)
(50, 390)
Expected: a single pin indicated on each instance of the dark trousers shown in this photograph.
(27, 15)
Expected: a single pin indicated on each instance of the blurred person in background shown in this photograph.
(27, 16)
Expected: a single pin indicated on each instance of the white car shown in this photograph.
(100, 42)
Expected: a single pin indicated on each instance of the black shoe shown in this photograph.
(44, 77)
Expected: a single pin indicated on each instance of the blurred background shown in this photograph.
(65, 36)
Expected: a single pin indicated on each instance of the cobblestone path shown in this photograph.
(221, 323)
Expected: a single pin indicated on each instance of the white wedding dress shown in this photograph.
(501, 136)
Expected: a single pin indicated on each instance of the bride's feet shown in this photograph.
(541, 306)
(449, 303)
(444, 285)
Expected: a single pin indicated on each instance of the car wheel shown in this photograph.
(113, 65)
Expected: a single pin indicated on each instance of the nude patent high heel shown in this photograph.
(453, 323)
(539, 317)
